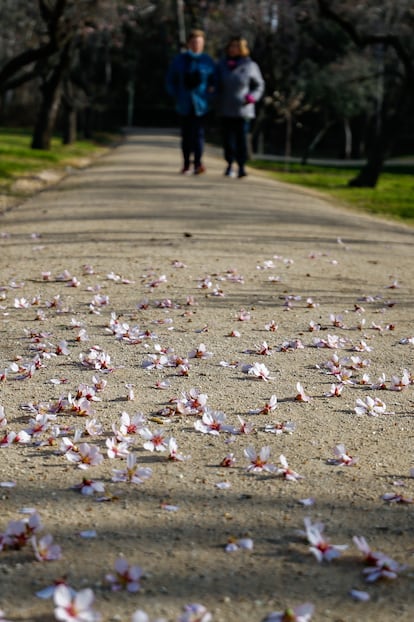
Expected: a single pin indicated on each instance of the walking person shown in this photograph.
(240, 85)
(190, 80)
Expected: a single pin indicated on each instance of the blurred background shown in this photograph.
(339, 73)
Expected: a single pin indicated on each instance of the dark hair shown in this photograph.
(242, 42)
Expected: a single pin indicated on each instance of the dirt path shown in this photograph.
(185, 261)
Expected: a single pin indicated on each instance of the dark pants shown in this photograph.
(235, 131)
(192, 138)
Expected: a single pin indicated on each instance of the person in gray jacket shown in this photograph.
(240, 85)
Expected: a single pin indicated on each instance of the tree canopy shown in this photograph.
(102, 63)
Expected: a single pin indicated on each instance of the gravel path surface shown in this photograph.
(163, 286)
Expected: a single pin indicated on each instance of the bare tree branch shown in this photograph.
(18, 80)
(22, 60)
(51, 17)
(363, 40)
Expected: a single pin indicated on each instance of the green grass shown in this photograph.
(392, 198)
(18, 159)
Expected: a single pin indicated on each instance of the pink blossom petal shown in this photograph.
(307, 502)
(88, 533)
(170, 508)
(360, 596)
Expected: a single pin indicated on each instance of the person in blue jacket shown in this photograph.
(190, 81)
(239, 86)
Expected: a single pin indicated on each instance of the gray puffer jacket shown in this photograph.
(237, 78)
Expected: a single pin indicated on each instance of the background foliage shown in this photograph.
(338, 74)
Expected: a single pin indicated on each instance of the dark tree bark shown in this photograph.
(69, 115)
(51, 95)
(370, 173)
(69, 124)
(381, 147)
(315, 142)
(384, 138)
(13, 73)
(87, 122)
(46, 119)
(8, 78)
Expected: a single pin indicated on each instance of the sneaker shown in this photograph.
(200, 169)
(229, 172)
(242, 173)
(185, 170)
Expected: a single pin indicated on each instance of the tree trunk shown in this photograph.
(42, 134)
(369, 174)
(315, 141)
(51, 96)
(288, 140)
(258, 133)
(69, 114)
(348, 139)
(382, 144)
(69, 130)
(86, 122)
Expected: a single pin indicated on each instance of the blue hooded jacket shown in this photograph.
(191, 81)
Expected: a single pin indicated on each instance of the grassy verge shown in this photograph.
(392, 198)
(17, 159)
